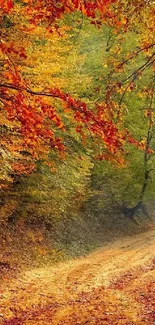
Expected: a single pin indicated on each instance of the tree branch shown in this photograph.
(29, 91)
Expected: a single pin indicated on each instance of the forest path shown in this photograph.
(111, 286)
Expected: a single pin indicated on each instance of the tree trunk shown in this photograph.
(130, 212)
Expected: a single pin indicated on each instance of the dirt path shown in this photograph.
(112, 286)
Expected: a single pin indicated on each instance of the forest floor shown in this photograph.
(114, 285)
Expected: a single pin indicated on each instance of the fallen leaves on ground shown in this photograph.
(112, 286)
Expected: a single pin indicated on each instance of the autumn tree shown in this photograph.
(31, 111)
(130, 188)
(38, 112)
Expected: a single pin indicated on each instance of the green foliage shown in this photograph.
(47, 196)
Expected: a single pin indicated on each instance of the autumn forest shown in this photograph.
(77, 162)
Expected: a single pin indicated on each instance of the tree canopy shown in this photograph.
(77, 94)
(28, 111)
